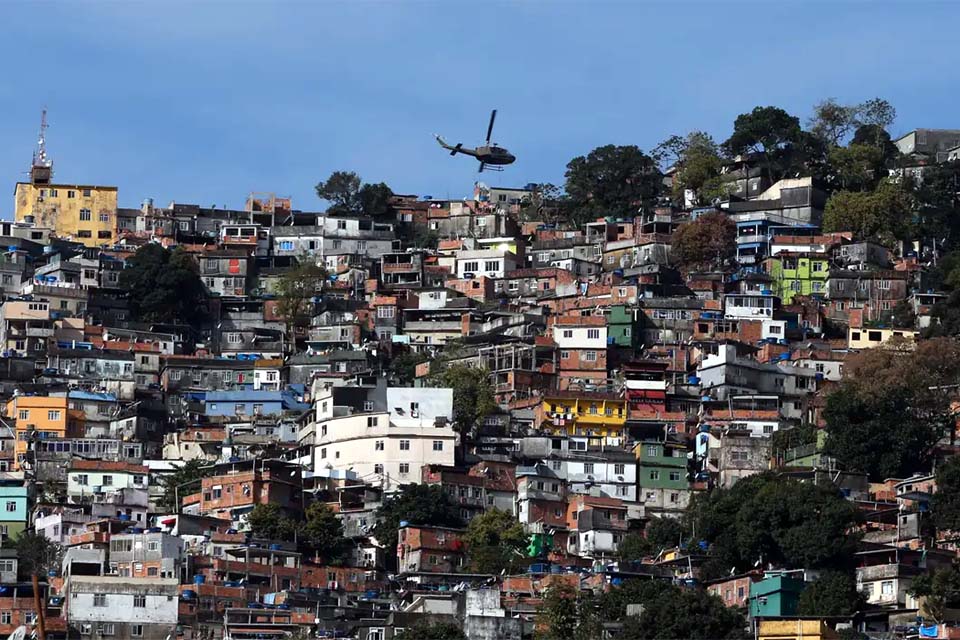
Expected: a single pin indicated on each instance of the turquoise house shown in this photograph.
(13, 511)
(775, 596)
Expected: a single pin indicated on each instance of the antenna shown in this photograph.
(40, 155)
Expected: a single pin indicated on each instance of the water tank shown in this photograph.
(404, 523)
(198, 579)
(274, 547)
(124, 517)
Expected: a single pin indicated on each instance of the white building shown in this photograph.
(89, 479)
(122, 608)
(388, 447)
(492, 263)
(577, 337)
(749, 306)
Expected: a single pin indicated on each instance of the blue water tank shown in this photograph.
(124, 517)
(188, 594)
(198, 579)
(404, 523)
(274, 547)
(693, 380)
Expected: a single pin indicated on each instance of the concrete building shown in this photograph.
(122, 608)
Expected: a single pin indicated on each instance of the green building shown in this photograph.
(13, 502)
(621, 327)
(775, 596)
(794, 274)
(662, 476)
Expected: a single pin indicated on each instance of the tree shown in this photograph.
(832, 122)
(945, 504)
(472, 394)
(938, 204)
(415, 504)
(672, 612)
(403, 367)
(323, 533)
(611, 181)
(768, 131)
(785, 439)
(664, 533)
(858, 167)
(424, 630)
(876, 112)
(183, 481)
(267, 521)
(342, 190)
(545, 202)
(774, 520)
(878, 436)
(375, 199)
(564, 614)
(833, 594)
(348, 195)
(939, 590)
(705, 243)
(901, 316)
(494, 541)
(36, 556)
(697, 160)
(882, 214)
(163, 285)
(295, 291)
(634, 547)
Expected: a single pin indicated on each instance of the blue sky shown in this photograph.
(205, 102)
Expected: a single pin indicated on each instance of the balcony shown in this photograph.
(753, 239)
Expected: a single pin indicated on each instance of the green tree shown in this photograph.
(545, 203)
(880, 436)
(785, 439)
(834, 593)
(295, 291)
(565, 614)
(183, 481)
(697, 160)
(611, 181)
(267, 521)
(415, 504)
(634, 547)
(945, 504)
(424, 630)
(832, 122)
(938, 204)
(403, 367)
(472, 394)
(858, 167)
(671, 612)
(37, 556)
(348, 195)
(705, 243)
(342, 191)
(775, 520)
(883, 214)
(494, 541)
(665, 533)
(901, 316)
(939, 590)
(375, 199)
(163, 285)
(770, 132)
(322, 532)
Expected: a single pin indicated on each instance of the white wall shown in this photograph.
(579, 337)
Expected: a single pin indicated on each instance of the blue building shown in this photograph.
(13, 510)
(247, 404)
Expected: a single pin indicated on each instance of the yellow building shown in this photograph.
(796, 629)
(49, 417)
(84, 213)
(597, 415)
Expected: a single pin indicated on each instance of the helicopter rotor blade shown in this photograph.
(482, 165)
(493, 116)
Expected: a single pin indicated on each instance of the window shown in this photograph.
(654, 475)
(619, 468)
(386, 312)
(85, 215)
(104, 217)
(590, 356)
(82, 480)
(106, 628)
(234, 338)
(367, 406)
(323, 452)
(108, 481)
(492, 265)
(286, 245)
(86, 193)
(621, 490)
(11, 506)
(886, 587)
(378, 445)
(674, 498)
(564, 355)
(883, 285)
(674, 475)
(593, 334)
(404, 468)
(372, 421)
(404, 445)
(378, 469)
(588, 467)
(99, 600)
(53, 415)
(471, 266)
(140, 601)
(555, 465)
(136, 630)
(438, 445)
(568, 333)
(5, 617)
(24, 414)
(775, 329)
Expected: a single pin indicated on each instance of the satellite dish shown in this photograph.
(18, 634)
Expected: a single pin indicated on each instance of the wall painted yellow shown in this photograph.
(85, 213)
(589, 417)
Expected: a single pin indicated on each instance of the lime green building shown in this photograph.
(793, 274)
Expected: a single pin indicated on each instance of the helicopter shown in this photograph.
(491, 156)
